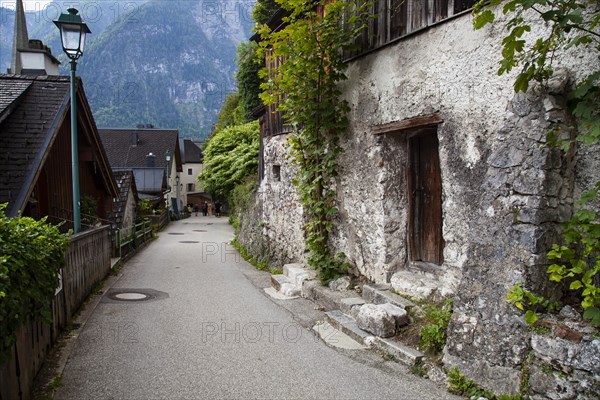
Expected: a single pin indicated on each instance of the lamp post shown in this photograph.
(168, 173)
(72, 34)
(177, 194)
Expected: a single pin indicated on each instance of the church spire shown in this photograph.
(20, 38)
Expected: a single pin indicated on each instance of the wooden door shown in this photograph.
(425, 199)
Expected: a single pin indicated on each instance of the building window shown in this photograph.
(397, 18)
(425, 198)
(191, 187)
(277, 173)
(190, 172)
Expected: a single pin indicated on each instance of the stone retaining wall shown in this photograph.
(504, 194)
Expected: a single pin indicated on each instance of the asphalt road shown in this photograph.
(207, 331)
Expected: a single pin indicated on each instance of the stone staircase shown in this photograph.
(372, 319)
(289, 284)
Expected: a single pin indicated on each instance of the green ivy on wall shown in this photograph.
(305, 88)
(569, 24)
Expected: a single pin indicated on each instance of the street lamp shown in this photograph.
(72, 34)
(168, 158)
(168, 173)
(177, 194)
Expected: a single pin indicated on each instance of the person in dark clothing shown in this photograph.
(217, 208)
(205, 208)
(196, 210)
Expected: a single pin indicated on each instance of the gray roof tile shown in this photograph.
(123, 153)
(27, 130)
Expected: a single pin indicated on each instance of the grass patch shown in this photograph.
(437, 318)
(259, 265)
(461, 385)
(540, 330)
(55, 384)
(418, 369)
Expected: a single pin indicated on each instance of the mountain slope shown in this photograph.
(97, 14)
(169, 63)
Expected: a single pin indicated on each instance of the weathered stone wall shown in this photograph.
(504, 192)
(272, 230)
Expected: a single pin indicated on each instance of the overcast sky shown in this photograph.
(34, 5)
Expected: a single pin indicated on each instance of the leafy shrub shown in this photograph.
(230, 155)
(31, 254)
(89, 206)
(433, 335)
(145, 207)
(241, 198)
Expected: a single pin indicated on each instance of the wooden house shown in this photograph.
(144, 151)
(35, 151)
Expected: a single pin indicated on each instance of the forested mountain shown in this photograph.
(160, 62)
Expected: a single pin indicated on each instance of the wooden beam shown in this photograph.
(411, 123)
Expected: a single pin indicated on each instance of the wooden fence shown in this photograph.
(161, 220)
(87, 262)
(128, 240)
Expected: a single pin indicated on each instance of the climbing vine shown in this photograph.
(569, 24)
(310, 50)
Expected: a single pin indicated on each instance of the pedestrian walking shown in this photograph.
(205, 208)
(217, 208)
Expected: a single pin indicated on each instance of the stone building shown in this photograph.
(193, 159)
(447, 188)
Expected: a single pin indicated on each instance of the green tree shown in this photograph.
(569, 24)
(230, 113)
(31, 255)
(230, 155)
(305, 88)
(248, 79)
(263, 10)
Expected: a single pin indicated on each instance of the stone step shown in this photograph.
(351, 305)
(278, 280)
(323, 296)
(336, 338)
(297, 273)
(283, 285)
(278, 295)
(401, 353)
(347, 325)
(380, 294)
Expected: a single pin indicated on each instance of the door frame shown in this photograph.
(414, 254)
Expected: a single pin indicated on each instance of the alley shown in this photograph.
(184, 321)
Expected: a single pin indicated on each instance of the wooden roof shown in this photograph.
(126, 184)
(128, 147)
(33, 110)
(192, 153)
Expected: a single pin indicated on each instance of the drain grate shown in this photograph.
(200, 230)
(176, 233)
(134, 295)
(188, 241)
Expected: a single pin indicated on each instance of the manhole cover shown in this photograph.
(176, 233)
(133, 295)
(188, 241)
(199, 230)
